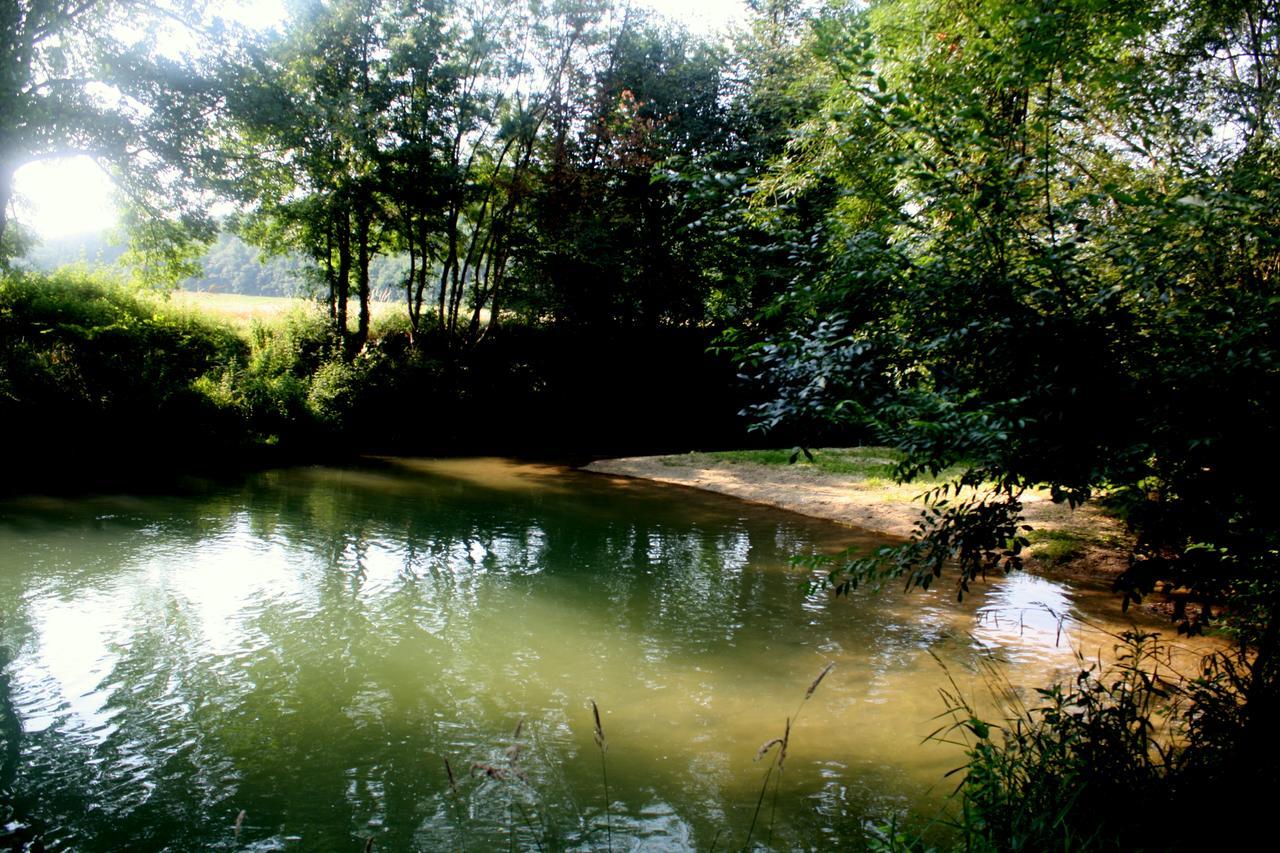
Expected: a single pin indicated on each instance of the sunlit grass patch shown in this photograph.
(242, 310)
(857, 461)
(875, 466)
(1057, 546)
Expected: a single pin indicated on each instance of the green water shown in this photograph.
(308, 649)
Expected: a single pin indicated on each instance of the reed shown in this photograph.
(603, 746)
(456, 805)
(774, 772)
(515, 771)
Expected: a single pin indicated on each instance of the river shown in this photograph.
(288, 663)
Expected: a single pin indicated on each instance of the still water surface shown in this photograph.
(310, 647)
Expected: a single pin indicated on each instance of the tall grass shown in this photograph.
(511, 774)
(779, 761)
(603, 746)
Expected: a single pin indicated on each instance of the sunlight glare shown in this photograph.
(64, 196)
(705, 16)
(256, 14)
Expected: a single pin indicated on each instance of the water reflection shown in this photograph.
(310, 648)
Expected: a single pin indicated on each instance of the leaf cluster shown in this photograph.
(1037, 242)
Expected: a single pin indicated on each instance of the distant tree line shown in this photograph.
(229, 265)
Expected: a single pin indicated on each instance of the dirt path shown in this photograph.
(1080, 543)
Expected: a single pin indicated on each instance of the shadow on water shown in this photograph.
(310, 647)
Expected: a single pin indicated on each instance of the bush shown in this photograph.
(91, 369)
(268, 391)
(1117, 760)
(98, 378)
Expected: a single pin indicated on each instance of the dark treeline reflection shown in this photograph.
(310, 647)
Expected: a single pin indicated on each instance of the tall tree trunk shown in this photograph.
(422, 275)
(344, 277)
(450, 263)
(410, 278)
(331, 277)
(362, 274)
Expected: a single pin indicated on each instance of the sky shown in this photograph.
(73, 195)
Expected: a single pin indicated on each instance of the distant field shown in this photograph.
(240, 309)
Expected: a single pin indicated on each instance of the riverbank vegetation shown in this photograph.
(103, 384)
(1028, 244)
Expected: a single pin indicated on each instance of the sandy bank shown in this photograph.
(876, 504)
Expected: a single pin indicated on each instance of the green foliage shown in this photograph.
(1037, 239)
(96, 79)
(267, 391)
(1028, 254)
(1055, 547)
(336, 388)
(632, 170)
(82, 357)
(1082, 770)
(1124, 759)
(95, 335)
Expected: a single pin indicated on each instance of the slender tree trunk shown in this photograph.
(450, 262)
(409, 280)
(362, 275)
(344, 277)
(422, 275)
(331, 277)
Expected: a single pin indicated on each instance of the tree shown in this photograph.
(307, 115)
(1050, 259)
(87, 77)
(1015, 276)
(618, 235)
(43, 99)
(473, 90)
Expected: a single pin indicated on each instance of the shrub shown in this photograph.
(91, 368)
(1125, 759)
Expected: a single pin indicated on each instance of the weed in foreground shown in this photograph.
(1095, 764)
(603, 746)
(779, 761)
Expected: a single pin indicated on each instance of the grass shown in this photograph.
(779, 761)
(1101, 762)
(1056, 546)
(543, 835)
(875, 465)
(242, 310)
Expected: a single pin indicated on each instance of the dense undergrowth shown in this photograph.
(100, 383)
(96, 377)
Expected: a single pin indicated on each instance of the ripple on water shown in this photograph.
(312, 647)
